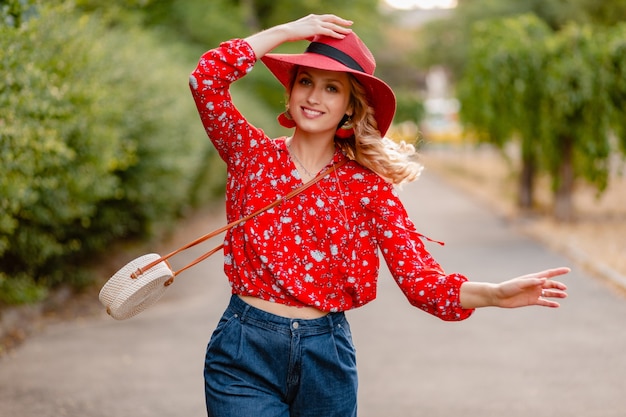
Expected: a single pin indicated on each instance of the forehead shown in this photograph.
(326, 75)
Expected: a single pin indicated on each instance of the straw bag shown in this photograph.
(125, 296)
(143, 281)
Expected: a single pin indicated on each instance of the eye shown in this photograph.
(304, 81)
(332, 89)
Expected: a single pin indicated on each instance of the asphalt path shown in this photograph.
(516, 363)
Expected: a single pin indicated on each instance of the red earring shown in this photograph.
(347, 128)
(286, 120)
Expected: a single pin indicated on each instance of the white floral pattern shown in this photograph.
(305, 252)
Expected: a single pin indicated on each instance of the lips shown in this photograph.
(311, 113)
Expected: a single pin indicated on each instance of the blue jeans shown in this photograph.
(262, 365)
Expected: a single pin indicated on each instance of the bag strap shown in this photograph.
(216, 232)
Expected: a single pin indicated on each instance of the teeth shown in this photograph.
(312, 112)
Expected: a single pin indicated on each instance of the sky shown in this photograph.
(423, 4)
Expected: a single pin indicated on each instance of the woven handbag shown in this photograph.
(143, 281)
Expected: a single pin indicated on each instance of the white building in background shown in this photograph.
(440, 123)
(441, 119)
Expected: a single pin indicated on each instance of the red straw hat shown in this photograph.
(347, 55)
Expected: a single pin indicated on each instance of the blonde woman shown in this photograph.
(283, 346)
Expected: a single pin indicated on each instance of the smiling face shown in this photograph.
(319, 99)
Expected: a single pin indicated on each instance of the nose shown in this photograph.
(313, 97)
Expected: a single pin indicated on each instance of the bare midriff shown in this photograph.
(290, 312)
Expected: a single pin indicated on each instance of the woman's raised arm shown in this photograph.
(304, 28)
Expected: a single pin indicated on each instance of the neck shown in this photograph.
(312, 154)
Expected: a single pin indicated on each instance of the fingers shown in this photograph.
(548, 273)
(549, 283)
(549, 293)
(548, 303)
(335, 26)
(554, 272)
(550, 290)
(545, 278)
(336, 19)
(544, 301)
(327, 25)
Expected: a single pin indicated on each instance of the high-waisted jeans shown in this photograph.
(262, 365)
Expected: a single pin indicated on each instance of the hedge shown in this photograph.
(99, 140)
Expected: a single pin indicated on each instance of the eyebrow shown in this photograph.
(326, 79)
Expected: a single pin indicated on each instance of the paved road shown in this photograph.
(530, 362)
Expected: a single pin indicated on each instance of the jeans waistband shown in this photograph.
(259, 318)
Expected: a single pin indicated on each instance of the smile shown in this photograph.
(311, 113)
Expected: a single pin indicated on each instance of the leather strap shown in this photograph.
(216, 232)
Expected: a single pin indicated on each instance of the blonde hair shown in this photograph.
(391, 160)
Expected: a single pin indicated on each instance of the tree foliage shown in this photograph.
(447, 42)
(98, 140)
(581, 85)
(502, 87)
(559, 92)
(614, 46)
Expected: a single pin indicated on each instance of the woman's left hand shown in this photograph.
(533, 289)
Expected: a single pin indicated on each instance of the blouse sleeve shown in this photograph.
(229, 131)
(417, 273)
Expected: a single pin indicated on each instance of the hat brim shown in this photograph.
(379, 95)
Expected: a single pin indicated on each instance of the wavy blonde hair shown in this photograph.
(396, 162)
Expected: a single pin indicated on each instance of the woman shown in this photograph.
(283, 346)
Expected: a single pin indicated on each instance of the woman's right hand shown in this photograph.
(301, 29)
(313, 25)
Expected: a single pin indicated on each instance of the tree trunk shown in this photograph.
(525, 197)
(563, 195)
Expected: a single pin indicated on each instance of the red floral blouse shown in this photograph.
(320, 248)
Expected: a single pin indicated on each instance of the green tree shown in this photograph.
(447, 42)
(560, 93)
(503, 87)
(99, 140)
(14, 12)
(576, 110)
(614, 45)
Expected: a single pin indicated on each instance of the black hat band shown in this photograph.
(334, 53)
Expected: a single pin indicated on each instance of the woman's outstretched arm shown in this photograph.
(533, 289)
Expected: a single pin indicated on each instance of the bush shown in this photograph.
(99, 140)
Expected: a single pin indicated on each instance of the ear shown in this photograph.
(350, 108)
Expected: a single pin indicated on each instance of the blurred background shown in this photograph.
(101, 146)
